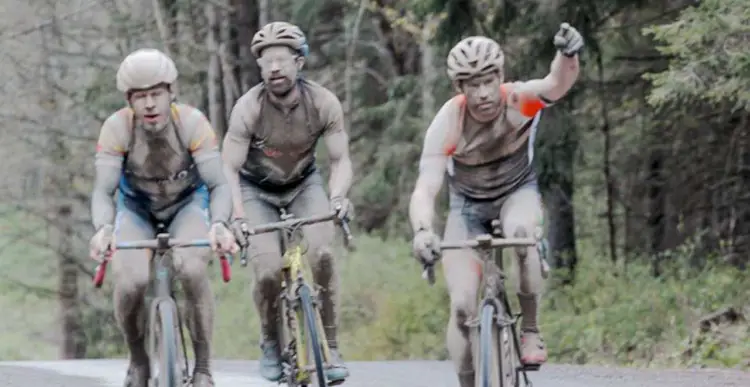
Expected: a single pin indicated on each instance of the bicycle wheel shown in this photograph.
(285, 337)
(166, 345)
(313, 340)
(509, 360)
(183, 373)
(487, 370)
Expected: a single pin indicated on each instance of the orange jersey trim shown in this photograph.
(527, 104)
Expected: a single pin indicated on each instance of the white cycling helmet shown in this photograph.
(145, 68)
(473, 56)
(279, 34)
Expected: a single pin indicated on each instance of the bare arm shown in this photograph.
(212, 173)
(110, 151)
(234, 153)
(341, 164)
(432, 167)
(102, 196)
(562, 75)
(337, 143)
(207, 158)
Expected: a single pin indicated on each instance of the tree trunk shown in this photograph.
(246, 24)
(57, 186)
(215, 87)
(656, 211)
(62, 234)
(557, 144)
(429, 72)
(264, 11)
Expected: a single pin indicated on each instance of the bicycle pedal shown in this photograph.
(530, 367)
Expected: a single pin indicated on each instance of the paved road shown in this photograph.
(110, 373)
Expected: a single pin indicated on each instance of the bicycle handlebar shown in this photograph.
(162, 241)
(154, 243)
(482, 241)
(284, 224)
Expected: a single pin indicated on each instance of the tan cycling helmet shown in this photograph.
(279, 34)
(145, 68)
(473, 56)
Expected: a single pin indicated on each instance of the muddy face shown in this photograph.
(279, 68)
(152, 107)
(483, 96)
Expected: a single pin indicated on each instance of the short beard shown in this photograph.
(285, 93)
(490, 118)
(154, 129)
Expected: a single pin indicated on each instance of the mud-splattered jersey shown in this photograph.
(489, 161)
(283, 139)
(159, 169)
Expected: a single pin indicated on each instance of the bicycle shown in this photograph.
(497, 358)
(167, 354)
(298, 303)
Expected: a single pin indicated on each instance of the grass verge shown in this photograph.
(612, 315)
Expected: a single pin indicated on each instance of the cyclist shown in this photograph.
(269, 152)
(164, 158)
(485, 154)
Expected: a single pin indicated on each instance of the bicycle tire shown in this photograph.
(284, 335)
(182, 370)
(487, 372)
(313, 339)
(507, 351)
(166, 342)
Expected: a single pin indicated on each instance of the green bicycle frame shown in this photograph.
(293, 279)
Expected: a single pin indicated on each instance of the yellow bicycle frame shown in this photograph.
(294, 265)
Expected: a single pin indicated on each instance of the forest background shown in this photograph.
(644, 166)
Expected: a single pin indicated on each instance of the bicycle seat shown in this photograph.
(285, 215)
(161, 228)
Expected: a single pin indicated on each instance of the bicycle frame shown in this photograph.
(492, 282)
(293, 278)
(164, 294)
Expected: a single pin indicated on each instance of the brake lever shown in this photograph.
(428, 273)
(243, 256)
(243, 249)
(348, 237)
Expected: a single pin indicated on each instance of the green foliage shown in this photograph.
(28, 327)
(709, 47)
(612, 314)
(387, 311)
(630, 318)
(101, 99)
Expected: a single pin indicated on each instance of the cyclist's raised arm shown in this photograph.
(235, 146)
(110, 151)
(205, 152)
(562, 76)
(432, 167)
(337, 143)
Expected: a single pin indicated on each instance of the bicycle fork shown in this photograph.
(320, 328)
(296, 351)
(165, 298)
(495, 296)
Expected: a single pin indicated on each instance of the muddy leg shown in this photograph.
(521, 216)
